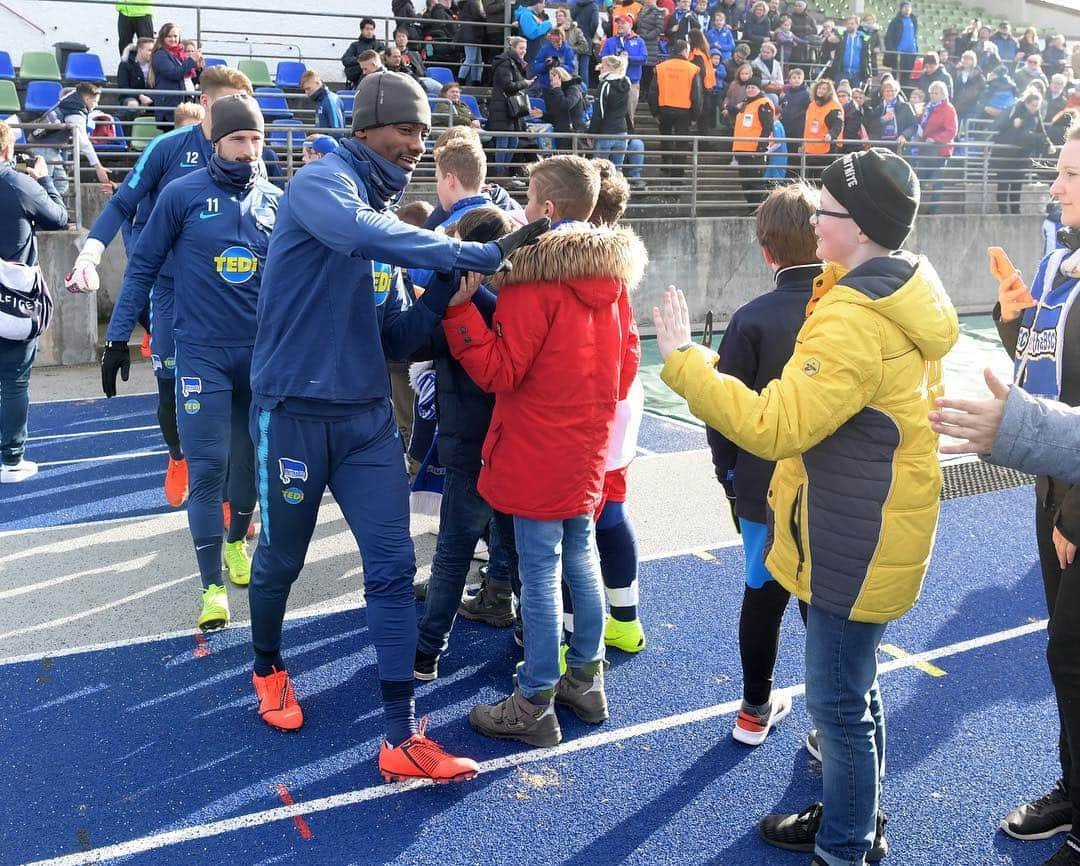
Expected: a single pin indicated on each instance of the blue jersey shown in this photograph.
(332, 296)
(219, 236)
(328, 113)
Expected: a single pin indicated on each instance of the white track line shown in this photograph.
(90, 399)
(91, 433)
(591, 741)
(130, 565)
(131, 455)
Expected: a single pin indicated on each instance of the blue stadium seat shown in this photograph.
(473, 105)
(272, 102)
(41, 96)
(214, 61)
(84, 67)
(7, 69)
(537, 102)
(440, 74)
(288, 73)
(346, 97)
(278, 137)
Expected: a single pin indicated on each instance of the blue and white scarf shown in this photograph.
(1037, 368)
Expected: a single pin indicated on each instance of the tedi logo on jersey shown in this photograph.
(289, 470)
(236, 265)
(382, 280)
(190, 385)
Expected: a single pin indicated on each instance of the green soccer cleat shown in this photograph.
(626, 636)
(238, 562)
(215, 608)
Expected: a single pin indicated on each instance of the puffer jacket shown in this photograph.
(853, 503)
(562, 352)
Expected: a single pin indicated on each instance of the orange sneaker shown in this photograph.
(176, 489)
(228, 517)
(144, 347)
(277, 701)
(421, 758)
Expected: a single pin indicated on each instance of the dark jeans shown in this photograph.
(463, 517)
(931, 172)
(1009, 185)
(1063, 604)
(674, 121)
(128, 28)
(16, 359)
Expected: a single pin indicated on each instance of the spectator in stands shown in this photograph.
(702, 14)
(872, 30)
(770, 71)
(611, 119)
(933, 71)
(626, 7)
(711, 85)
(741, 56)
(902, 42)
(471, 36)
(133, 74)
(350, 60)
(853, 120)
(1056, 96)
(564, 103)
(918, 102)
(1006, 43)
(555, 52)
(830, 44)
(785, 41)
(1054, 56)
(1020, 139)
(793, 104)
(193, 49)
(756, 30)
(28, 202)
(72, 111)
(681, 22)
(171, 69)
(650, 27)
(969, 84)
(676, 99)
(574, 38)
(736, 95)
(892, 119)
(625, 42)
(440, 31)
(1029, 44)
(824, 127)
(852, 58)
(1058, 126)
(400, 58)
(1000, 93)
(774, 14)
(968, 39)
(460, 113)
(328, 110)
(586, 15)
(806, 34)
(534, 26)
(316, 146)
(986, 52)
(405, 13)
(1030, 70)
(509, 77)
(753, 131)
(134, 20)
(734, 10)
(938, 126)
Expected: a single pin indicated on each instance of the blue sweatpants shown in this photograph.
(213, 400)
(359, 457)
(162, 344)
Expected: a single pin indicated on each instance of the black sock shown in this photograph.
(238, 524)
(208, 553)
(617, 546)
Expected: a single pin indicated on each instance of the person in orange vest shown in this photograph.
(823, 132)
(699, 56)
(675, 99)
(753, 132)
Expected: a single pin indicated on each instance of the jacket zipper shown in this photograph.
(796, 527)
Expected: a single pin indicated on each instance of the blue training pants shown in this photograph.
(359, 456)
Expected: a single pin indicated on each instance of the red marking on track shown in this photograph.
(301, 825)
(201, 647)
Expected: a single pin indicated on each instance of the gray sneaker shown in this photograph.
(582, 690)
(518, 719)
(490, 605)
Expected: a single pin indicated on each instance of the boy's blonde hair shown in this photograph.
(483, 225)
(415, 213)
(7, 137)
(453, 133)
(783, 225)
(570, 183)
(217, 78)
(465, 159)
(188, 113)
(614, 195)
(310, 75)
(560, 73)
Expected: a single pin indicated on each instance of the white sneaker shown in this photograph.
(18, 472)
(481, 553)
(752, 729)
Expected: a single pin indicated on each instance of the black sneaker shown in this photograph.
(426, 666)
(490, 605)
(1047, 816)
(798, 832)
(1067, 855)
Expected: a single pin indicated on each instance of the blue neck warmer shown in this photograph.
(237, 175)
(384, 180)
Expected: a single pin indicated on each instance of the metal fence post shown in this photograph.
(198, 26)
(76, 171)
(694, 177)
(289, 162)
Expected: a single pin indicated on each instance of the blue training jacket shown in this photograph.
(332, 297)
(328, 113)
(220, 235)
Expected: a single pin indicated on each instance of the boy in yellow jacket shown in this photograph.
(853, 502)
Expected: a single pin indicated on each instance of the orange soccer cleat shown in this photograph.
(421, 758)
(277, 701)
(176, 482)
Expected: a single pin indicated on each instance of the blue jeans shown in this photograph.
(550, 551)
(472, 70)
(54, 156)
(584, 61)
(844, 701)
(613, 149)
(626, 154)
(635, 157)
(931, 173)
(505, 145)
(16, 359)
(463, 517)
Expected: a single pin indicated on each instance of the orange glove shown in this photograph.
(1013, 295)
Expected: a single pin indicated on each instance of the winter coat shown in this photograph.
(895, 32)
(564, 106)
(1054, 60)
(850, 535)
(650, 27)
(968, 94)
(754, 32)
(940, 128)
(129, 75)
(586, 16)
(349, 59)
(611, 109)
(507, 77)
(169, 74)
(469, 32)
(793, 110)
(836, 70)
(1038, 436)
(26, 206)
(404, 10)
(1029, 139)
(906, 124)
(564, 349)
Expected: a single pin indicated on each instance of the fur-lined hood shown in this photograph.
(596, 262)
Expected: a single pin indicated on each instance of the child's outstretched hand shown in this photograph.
(467, 288)
(672, 321)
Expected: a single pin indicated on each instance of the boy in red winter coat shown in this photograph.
(563, 350)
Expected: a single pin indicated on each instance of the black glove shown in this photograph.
(115, 358)
(734, 514)
(527, 234)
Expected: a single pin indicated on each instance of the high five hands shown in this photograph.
(672, 321)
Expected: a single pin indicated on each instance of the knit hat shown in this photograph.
(231, 113)
(879, 190)
(385, 98)
(321, 144)
(755, 80)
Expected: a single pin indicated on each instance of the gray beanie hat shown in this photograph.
(231, 113)
(384, 98)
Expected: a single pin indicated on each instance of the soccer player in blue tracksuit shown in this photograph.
(331, 310)
(170, 156)
(215, 225)
(328, 113)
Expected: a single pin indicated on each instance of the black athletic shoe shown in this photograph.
(1047, 816)
(426, 666)
(798, 832)
(1068, 854)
